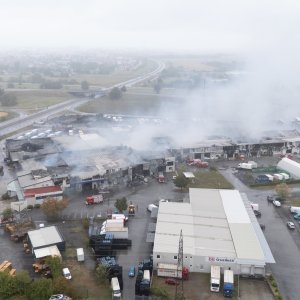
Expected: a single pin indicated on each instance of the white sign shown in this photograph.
(215, 259)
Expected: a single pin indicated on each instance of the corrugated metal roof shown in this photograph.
(44, 236)
(43, 190)
(47, 251)
(214, 223)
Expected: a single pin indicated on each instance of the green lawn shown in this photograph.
(132, 104)
(210, 180)
(39, 99)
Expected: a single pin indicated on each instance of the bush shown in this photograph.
(29, 206)
(274, 284)
(37, 205)
(85, 223)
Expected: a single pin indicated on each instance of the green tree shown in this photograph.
(283, 190)
(115, 93)
(101, 273)
(22, 282)
(7, 213)
(181, 181)
(121, 204)
(40, 289)
(55, 265)
(85, 85)
(52, 208)
(7, 286)
(8, 99)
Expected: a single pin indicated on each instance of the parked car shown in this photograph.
(277, 203)
(171, 281)
(257, 213)
(67, 273)
(290, 225)
(297, 216)
(131, 272)
(270, 198)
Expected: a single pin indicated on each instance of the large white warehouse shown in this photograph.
(290, 166)
(218, 227)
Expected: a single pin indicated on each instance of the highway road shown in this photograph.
(23, 121)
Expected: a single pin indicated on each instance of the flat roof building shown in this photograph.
(45, 237)
(218, 227)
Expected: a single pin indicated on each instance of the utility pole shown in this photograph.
(179, 289)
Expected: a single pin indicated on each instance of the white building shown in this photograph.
(290, 166)
(218, 227)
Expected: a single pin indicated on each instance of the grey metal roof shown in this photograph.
(214, 223)
(45, 236)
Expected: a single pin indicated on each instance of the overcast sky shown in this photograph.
(194, 25)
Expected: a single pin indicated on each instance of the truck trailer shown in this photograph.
(228, 283)
(96, 199)
(170, 270)
(215, 278)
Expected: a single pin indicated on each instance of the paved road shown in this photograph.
(22, 121)
(283, 242)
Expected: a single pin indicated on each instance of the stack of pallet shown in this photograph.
(18, 231)
(6, 266)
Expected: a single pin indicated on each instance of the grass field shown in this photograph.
(133, 104)
(210, 180)
(106, 80)
(38, 99)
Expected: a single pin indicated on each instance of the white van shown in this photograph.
(116, 291)
(67, 273)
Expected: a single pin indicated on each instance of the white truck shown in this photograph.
(119, 216)
(245, 166)
(295, 210)
(80, 254)
(116, 291)
(215, 278)
(228, 286)
(146, 275)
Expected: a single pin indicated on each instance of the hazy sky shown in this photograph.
(195, 25)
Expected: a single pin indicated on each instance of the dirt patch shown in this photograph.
(83, 275)
(3, 114)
